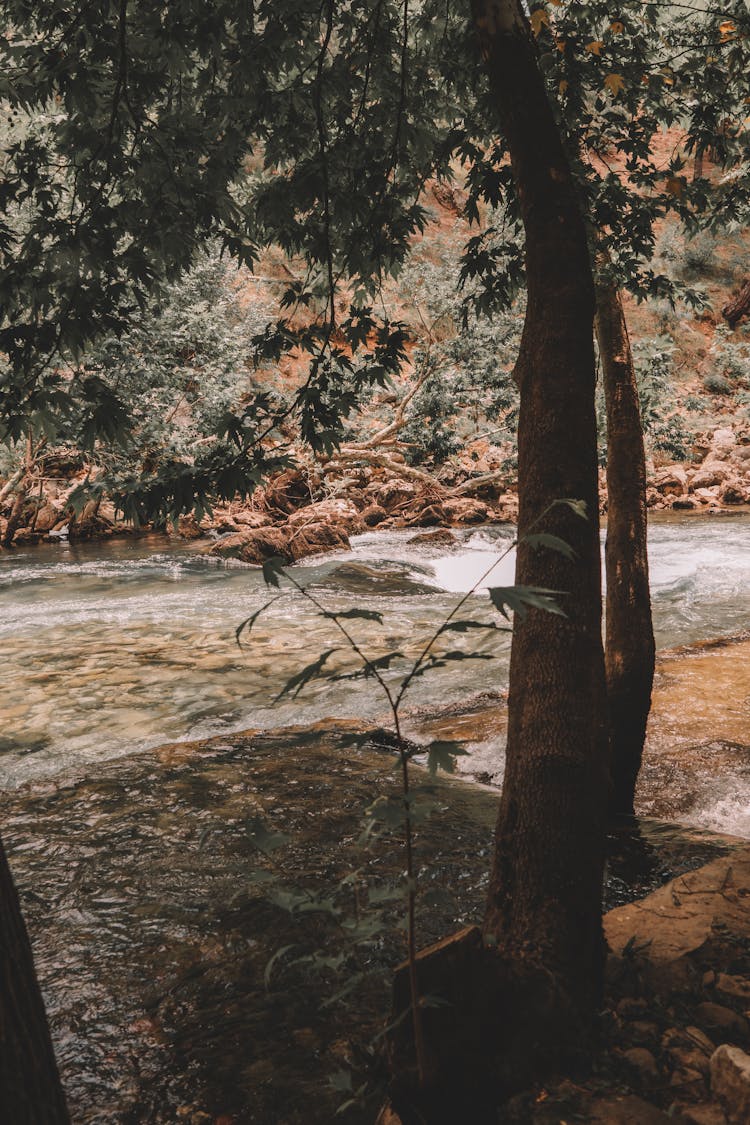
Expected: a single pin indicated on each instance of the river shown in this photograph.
(111, 648)
(152, 931)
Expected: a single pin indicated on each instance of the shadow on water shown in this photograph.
(153, 933)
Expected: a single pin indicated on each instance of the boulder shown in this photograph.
(705, 1113)
(189, 528)
(626, 1109)
(642, 1064)
(463, 509)
(395, 493)
(311, 539)
(254, 545)
(341, 513)
(730, 1082)
(722, 1021)
(250, 518)
(286, 492)
(46, 518)
(734, 492)
(440, 538)
(733, 987)
(373, 514)
(671, 931)
(723, 441)
(710, 473)
(671, 481)
(430, 516)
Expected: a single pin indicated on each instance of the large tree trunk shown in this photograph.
(30, 1089)
(544, 904)
(630, 648)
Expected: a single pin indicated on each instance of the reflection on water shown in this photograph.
(111, 648)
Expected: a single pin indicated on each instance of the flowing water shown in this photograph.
(112, 648)
(136, 869)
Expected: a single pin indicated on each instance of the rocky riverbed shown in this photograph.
(155, 916)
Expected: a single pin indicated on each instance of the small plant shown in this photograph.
(717, 384)
(393, 675)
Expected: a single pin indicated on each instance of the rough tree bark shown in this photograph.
(630, 648)
(30, 1089)
(544, 904)
(739, 306)
(528, 987)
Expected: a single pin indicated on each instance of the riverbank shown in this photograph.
(316, 508)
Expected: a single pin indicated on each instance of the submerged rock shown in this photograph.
(730, 1082)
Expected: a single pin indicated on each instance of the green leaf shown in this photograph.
(519, 599)
(363, 614)
(380, 664)
(295, 685)
(273, 569)
(273, 962)
(551, 542)
(263, 838)
(441, 755)
(578, 506)
(466, 625)
(246, 625)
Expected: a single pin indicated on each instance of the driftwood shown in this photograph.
(739, 306)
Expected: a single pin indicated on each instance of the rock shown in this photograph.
(254, 545)
(440, 538)
(685, 504)
(700, 1040)
(311, 540)
(395, 493)
(286, 492)
(730, 1082)
(188, 528)
(717, 1018)
(626, 1109)
(733, 988)
(643, 1032)
(250, 518)
(734, 493)
(710, 473)
(680, 918)
(705, 1113)
(373, 514)
(642, 1063)
(671, 481)
(463, 509)
(46, 518)
(723, 440)
(686, 1082)
(342, 513)
(707, 495)
(430, 516)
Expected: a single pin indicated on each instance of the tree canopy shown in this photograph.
(138, 133)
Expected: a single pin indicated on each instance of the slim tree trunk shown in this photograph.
(30, 1089)
(630, 648)
(544, 904)
(16, 512)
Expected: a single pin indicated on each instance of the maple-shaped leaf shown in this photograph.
(595, 47)
(676, 186)
(539, 19)
(615, 83)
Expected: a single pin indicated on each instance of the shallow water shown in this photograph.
(153, 930)
(112, 648)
